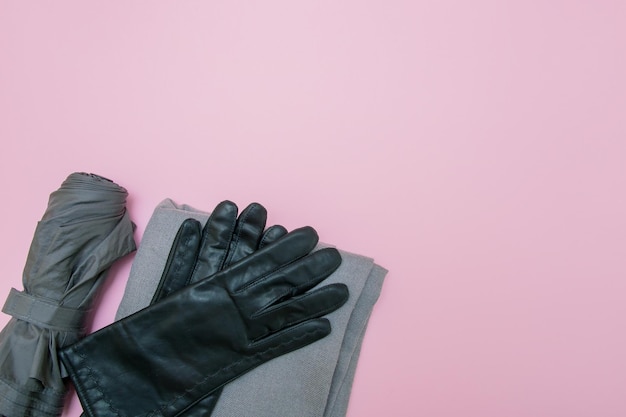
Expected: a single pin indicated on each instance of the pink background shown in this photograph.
(475, 149)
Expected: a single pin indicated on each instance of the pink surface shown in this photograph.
(475, 149)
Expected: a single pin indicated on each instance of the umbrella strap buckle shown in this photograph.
(43, 313)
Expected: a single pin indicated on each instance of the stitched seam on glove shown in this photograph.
(263, 241)
(265, 277)
(180, 261)
(246, 359)
(163, 285)
(205, 237)
(233, 246)
(268, 274)
(294, 289)
(319, 313)
(91, 373)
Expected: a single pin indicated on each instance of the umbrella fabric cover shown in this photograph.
(84, 230)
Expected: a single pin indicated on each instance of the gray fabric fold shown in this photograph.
(84, 229)
(312, 381)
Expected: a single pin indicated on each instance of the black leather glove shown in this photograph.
(225, 239)
(165, 358)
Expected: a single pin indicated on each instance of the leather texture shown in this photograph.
(224, 239)
(166, 358)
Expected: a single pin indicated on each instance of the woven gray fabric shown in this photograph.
(341, 385)
(312, 381)
(83, 231)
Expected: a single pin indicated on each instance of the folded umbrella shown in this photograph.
(84, 230)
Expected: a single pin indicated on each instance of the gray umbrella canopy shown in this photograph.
(84, 230)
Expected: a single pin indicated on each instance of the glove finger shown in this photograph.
(289, 281)
(311, 305)
(271, 235)
(216, 237)
(292, 338)
(286, 250)
(180, 261)
(247, 234)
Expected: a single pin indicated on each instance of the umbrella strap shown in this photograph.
(43, 313)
